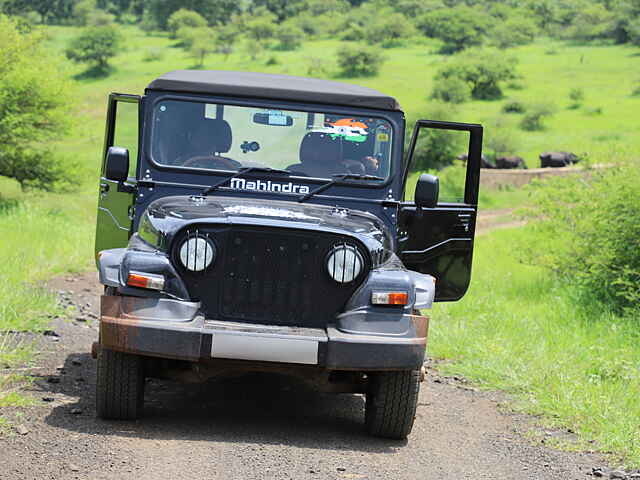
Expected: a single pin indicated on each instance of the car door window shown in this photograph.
(126, 132)
(442, 153)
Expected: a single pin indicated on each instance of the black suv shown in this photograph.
(263, 227)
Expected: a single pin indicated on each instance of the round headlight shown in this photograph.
(197, 253)
(344, 263)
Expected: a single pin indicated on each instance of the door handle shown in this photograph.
(104, 187)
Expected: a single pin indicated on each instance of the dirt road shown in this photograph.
(259, 427)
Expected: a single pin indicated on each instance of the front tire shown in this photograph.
(119, 386)
(392, 399)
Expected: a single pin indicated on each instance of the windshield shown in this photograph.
(227, 137)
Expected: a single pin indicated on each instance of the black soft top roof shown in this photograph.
(273, 87)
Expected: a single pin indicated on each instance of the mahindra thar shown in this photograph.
(258, 223)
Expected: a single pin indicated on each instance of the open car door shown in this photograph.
(115, 201)
(439, 240)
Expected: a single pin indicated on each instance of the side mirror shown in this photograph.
(117, 164)
(427, 190)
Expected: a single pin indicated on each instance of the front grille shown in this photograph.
(272, 276)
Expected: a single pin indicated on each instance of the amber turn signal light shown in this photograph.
(145, 280)
(389, 298)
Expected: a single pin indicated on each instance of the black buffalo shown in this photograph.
(484, 161)
(558, 159)
(510, 162)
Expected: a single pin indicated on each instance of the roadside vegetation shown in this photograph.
(552, 315)
(549, 316)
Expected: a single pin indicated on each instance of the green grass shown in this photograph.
(519, 330)
(524, 335)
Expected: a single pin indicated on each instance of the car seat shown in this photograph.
(320, 156)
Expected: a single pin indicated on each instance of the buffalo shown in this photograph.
(484, 161)
(558, 159)
(510, 162)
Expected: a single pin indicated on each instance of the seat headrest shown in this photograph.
(214, 134)
(320, 149)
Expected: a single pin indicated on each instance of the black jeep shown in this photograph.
(262, 227)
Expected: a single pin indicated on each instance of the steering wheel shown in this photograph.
(214, 161)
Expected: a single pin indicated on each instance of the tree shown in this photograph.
(459, 28)
(48, 10)
(82, 11)
(184, 18)
(31, 110)
(227, 37)
(359, 61)
(436, 149)
(591, 23)
(484, 70)
(259, 29)
(289, 37)
(513, 31)
(202, 45)
(282, 9)
(216, 12)
(389, 30)
(95, 45)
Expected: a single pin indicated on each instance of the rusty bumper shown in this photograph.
(176, 330)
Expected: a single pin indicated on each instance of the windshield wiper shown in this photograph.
(242, 171)
(337, 178)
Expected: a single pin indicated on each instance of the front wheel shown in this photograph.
(392, 399)
(119, 386)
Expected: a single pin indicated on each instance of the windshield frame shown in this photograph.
(396, 149)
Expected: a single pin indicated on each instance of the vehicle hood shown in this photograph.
(166, 216)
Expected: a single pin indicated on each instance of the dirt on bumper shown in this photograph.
(168, 329)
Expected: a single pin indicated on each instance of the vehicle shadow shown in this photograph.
(256, 408)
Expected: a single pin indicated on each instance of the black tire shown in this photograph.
(119, 386)
(392, 399)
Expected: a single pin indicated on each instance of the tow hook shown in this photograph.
(423, 374)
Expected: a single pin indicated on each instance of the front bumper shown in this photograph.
(175, 329)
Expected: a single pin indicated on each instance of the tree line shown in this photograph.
(459, 24)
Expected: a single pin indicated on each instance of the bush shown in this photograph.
(148, 24)
(359, 61)
(456, 90)
(95, 45)
(536, 115)
(514, 106)
(32, 111)
(100, 18)
(289, 37)
(576, 95)
(483, 70)
(153, 54)
(353, 32)
(184, 19)
(318, 67)
(598, 221)
(501, 139)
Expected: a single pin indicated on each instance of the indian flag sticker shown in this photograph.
(349, 129)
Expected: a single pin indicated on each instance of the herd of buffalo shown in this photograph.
(547, 159)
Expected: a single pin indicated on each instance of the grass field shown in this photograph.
(519, 330)
(525, 336)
